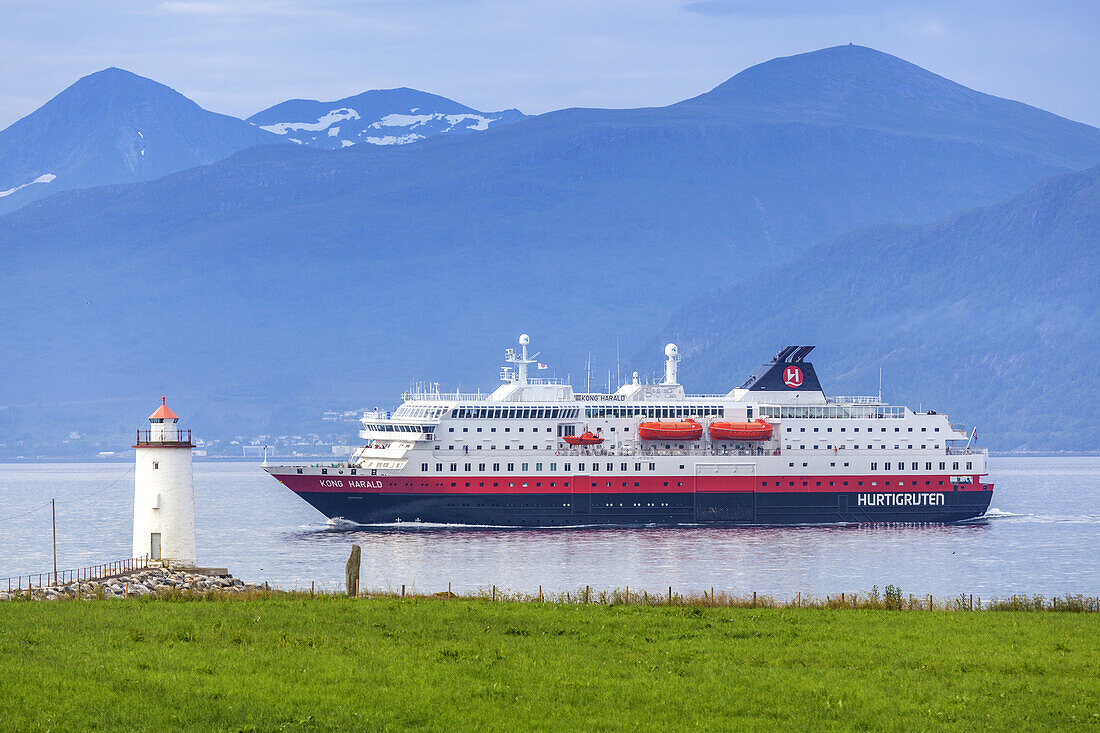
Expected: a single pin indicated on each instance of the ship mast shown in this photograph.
(521, 360)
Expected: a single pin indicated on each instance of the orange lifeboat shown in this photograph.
(758, 430)
(582, 439)
(678, 430)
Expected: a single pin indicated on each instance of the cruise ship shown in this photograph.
(535, 453)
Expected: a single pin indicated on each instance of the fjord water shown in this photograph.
(1042, 536)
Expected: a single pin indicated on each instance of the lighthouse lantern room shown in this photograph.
(164, 494)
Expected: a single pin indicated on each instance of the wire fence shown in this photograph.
(75, 575)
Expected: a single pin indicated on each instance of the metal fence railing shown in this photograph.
(75, 575)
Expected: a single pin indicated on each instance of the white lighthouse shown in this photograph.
(164, 492)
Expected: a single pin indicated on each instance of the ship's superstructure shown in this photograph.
(534, 452)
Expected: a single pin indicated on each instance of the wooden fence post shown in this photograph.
(351, 571)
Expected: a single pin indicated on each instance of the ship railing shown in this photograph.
(648, 452)
(856, 399)
(958, 427)
(873, 412)
(963, 451)
(444, 396)
(553, 381)
(170, 438)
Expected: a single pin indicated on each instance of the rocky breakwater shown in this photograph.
(154, 582)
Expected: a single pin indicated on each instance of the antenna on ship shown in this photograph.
(618, 374)
(880, 385)
(588, 373)
(521, 360)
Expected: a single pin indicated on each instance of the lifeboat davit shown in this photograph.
(582, 439)
(678, 430)
(758, 430)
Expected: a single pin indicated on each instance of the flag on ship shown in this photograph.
(543, 366)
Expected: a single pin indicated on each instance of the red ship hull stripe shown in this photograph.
(306, 483)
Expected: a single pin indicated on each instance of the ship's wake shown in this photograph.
(994, 514)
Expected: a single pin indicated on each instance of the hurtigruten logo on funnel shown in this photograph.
(792, 377)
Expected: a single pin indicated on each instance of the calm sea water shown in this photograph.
(1042, 537)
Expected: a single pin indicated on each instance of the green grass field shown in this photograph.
(336, 663)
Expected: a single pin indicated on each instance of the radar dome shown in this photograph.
(671, 350)
(524, 339)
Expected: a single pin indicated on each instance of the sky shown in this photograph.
(240, 56)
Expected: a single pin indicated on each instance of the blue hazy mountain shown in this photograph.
(113, 127)
(377, 117)
(991, 315)
(288, 279)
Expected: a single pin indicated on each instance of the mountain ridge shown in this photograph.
(114, 126)
(292, 265)
(1002, 294)
(378, 116)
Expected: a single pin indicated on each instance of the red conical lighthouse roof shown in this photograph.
(163, 413)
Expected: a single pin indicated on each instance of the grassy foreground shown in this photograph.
(332, 662)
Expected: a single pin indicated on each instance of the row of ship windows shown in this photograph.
(886, 465)
(830, 446)
(581, 467)
(567, 467)
(391, 428)
(507, 430)
(678, 413)
(954, 480)
(856, 430)
(516, 413)
(540, 505)
(626, 484)
(656, 411)
(493, 447)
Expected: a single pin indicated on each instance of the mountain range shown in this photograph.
(114, 126)
(286, 279)
(991, 315)
(378, 117)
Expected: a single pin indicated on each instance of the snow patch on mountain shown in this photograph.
(44, 178)
(395, 139)
(326, 121)
(414, 121)
(424, 125)
(377, 117)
